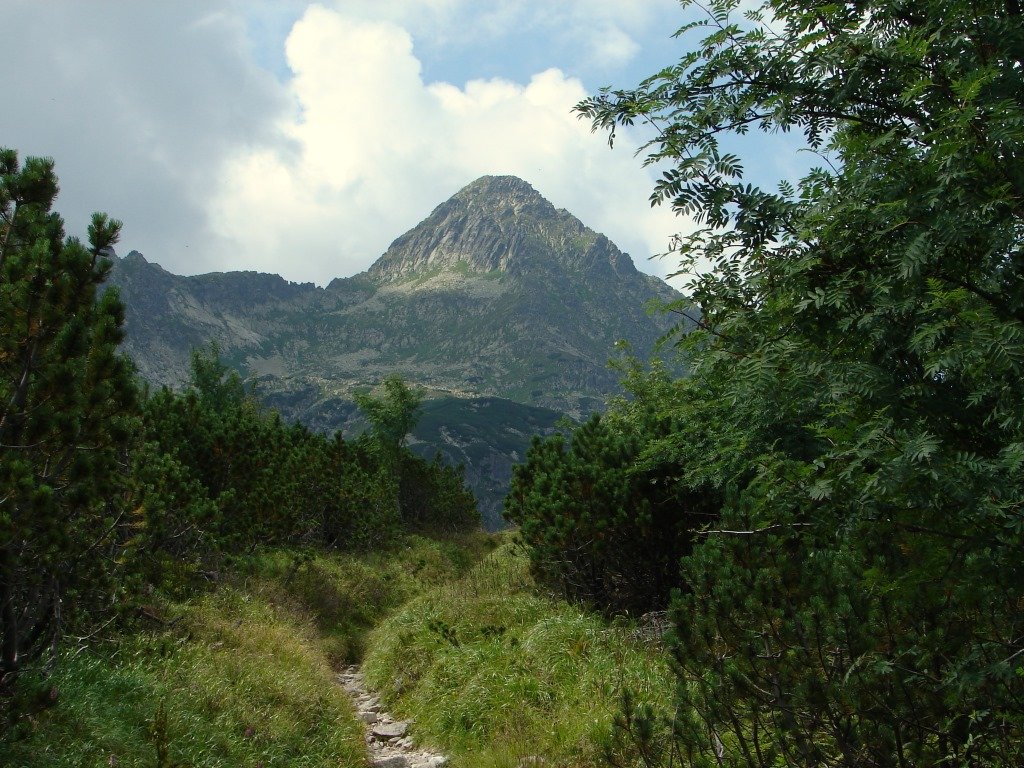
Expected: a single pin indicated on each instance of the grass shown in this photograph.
(346, 596)
(494, 673)
(238, 681)
(244, 676)
(454, 634)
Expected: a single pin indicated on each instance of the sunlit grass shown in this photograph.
(237, 681)
(494, 672)
(243, 676)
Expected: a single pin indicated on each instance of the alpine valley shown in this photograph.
(503, 308)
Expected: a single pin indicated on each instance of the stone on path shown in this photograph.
(395, 761)
(390, 730)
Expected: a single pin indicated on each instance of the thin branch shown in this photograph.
(766, 529)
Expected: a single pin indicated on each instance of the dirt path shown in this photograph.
(388, 740)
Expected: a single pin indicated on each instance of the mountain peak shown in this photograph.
(503, 196)
(496, 187)
(497, 223)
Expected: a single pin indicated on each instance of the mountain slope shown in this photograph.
(501, 294)
(496, 295)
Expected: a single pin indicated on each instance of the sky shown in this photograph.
(303, 138)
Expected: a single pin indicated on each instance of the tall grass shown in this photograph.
(496, 673)
(244, 676)
(347, 595)
(493, 671)
(237, 681)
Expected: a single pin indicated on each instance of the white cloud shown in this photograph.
(372, 148)
(138, 103)
(222, 148)
(610, 46)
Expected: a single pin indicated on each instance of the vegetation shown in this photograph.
(393, 415)
(65, 412)
(117, 504)
(840, 478)
(241, 676)
(487, 435)
(499, 675)
(220, 476)
(604, 523)
(856, 395)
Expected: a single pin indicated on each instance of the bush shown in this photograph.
(604, 522)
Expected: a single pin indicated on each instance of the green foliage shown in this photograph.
(393, 415)
(215, 384)
(347, 595)
(433, 496)
(429, 495)
(216, 475)
(486, 435)
(244, 477)
(240, 678)
(65, 415)
(602, 521)
(859, 353)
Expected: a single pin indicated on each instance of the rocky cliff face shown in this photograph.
(500, 223)
(496, 297)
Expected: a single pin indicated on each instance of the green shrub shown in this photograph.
(433, 496)
(602, 521)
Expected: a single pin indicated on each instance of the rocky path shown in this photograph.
(389, 741)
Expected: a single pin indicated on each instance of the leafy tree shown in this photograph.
(217, 385)
(394, 414)
(430, 496)
(859, 601)
(66, 401)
